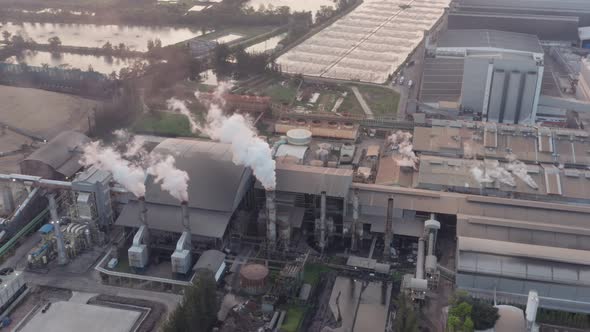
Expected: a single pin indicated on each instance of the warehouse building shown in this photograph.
(501, 78)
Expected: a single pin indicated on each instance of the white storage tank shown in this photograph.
(299, 137)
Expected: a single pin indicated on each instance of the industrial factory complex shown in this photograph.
(480, 185)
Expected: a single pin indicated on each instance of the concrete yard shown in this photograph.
(75, 317)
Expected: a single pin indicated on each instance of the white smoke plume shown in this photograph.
(132, 146)
(248, 149)
(519, 169)
(490, 171)
(402, 141)
(180, 106)
(170, 178)
(130, 176)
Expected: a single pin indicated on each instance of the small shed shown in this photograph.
(211, 261)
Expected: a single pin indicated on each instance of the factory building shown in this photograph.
(500, 74)
(537, 13)
(58, 159)
(216, 189)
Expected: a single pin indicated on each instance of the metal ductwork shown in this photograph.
(62, 257)
(388, 228)
(138, 252)
(355, 220)
(322, 241)
(271, 224)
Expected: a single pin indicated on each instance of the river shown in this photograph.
(93, 35)
(295, 5)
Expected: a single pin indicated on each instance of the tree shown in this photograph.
(54, 43)
(6, 36)
(17, 42)
(484, 315)
(157, 43)
(198, 310)
(406, 319)
(108, 47)
(221, 54)
(150, 45)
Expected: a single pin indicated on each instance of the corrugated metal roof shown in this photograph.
(210, 260)
(168, 218)
(215, 181)
(490, 39)
(514, 249)
(62, 153)
(313, 180)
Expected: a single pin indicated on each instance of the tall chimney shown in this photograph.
(186, 222)
(355, 219)
(322, 241)
(420, 260)
(271, 224)
(142, 211)
(62, 258)
(388, 228)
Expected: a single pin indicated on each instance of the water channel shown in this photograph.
(100, 64)
(93, 35)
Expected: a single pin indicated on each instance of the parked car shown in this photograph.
(402, 80)
(410, 83)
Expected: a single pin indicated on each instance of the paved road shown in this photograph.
(363, 103)
(406, 104)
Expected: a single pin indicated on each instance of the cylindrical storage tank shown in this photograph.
(253, 278)
(299, 137)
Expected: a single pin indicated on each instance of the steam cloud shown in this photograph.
(519, 169)
(490, 171)
(124, 172)
(132, 174)
(170, 178)
(180, 106)
(248, 149)
(402, 140)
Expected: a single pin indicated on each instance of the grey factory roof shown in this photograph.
(490, 40)
(528, 251)
(62, 153)
(549, 5)
(216, 183)
(529, 144)
(168, 218)
(442, 79)
(210, 260)
(313, 180)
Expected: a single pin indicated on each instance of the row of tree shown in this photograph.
(467, 314)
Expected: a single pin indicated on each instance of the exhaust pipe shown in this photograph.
(185, 216)
(355, 219)
(271, 225)
(420, 260)
(322, 241)
(62, 258)
(142, 211)
(388, 228)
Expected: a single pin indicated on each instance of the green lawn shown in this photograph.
(281, 94)
(163, 123)
(311, 274)
(293, 319)
(382, 101)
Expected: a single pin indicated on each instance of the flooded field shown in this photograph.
(92, 35)
(101, 64)
(295, 5)
(267, 45)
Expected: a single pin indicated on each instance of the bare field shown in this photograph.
(44, 113)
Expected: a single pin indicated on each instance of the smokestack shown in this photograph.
(322, 241)
(7, 199)
(62, 258)
(355, 219)
(531, 309)
(420, 260)
(388, 228)
(142, 211)
(271, 225)
(185, 216)
(430, 243)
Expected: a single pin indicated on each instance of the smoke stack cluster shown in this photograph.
(237, 130)
(132, 174)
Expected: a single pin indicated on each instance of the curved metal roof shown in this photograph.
(216, 183)
(62, 153)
